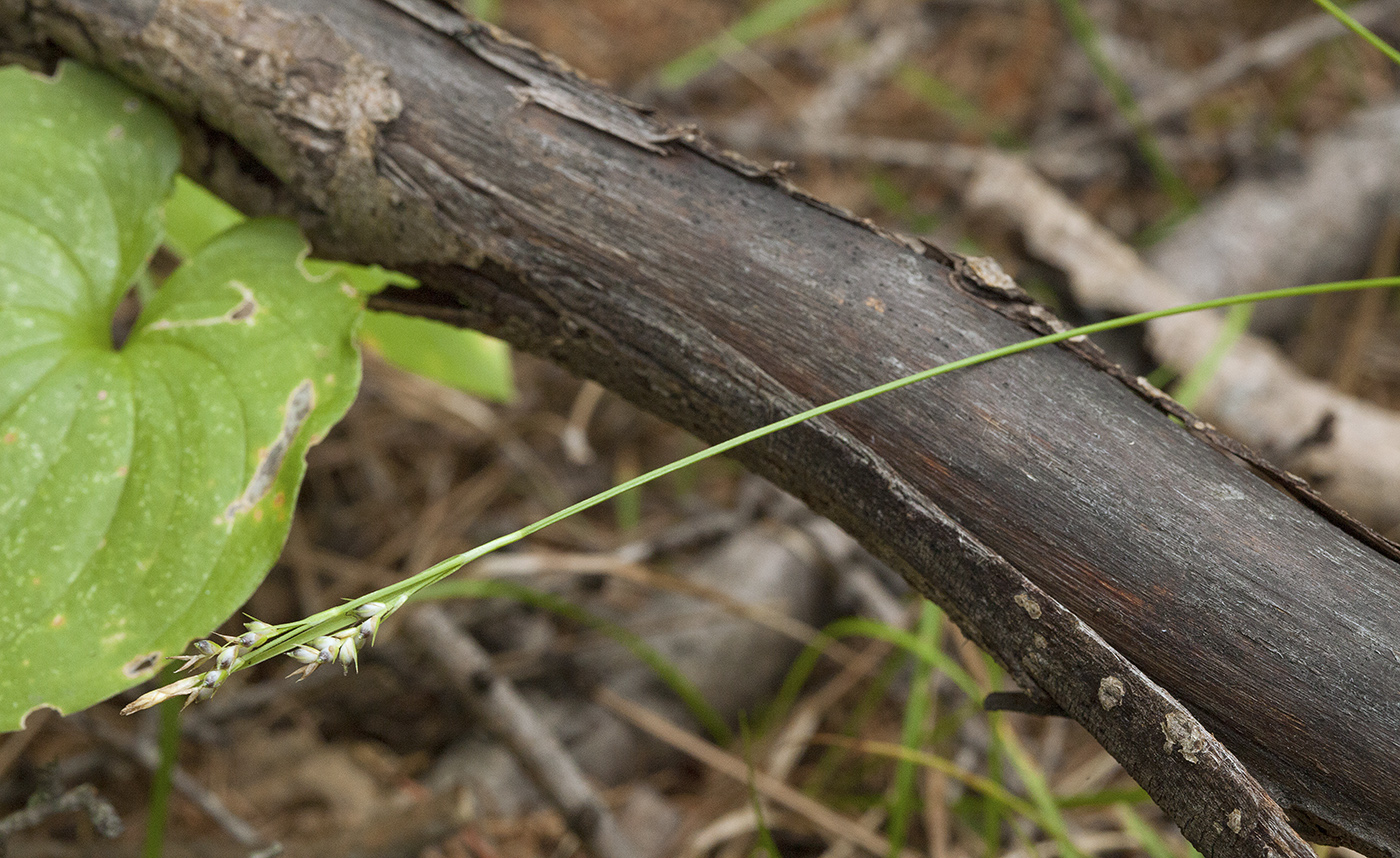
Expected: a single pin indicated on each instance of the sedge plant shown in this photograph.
(337, 634)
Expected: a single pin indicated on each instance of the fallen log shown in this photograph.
(1135, 572)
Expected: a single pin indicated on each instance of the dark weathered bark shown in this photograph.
(1113, 561)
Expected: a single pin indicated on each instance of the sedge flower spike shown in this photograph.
(312, 642)
(190, 685)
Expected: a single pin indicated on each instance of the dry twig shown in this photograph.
(731, 766)
(828, 109)
(502, 711)
(1270, 52)
(145, 752)
(83, 797)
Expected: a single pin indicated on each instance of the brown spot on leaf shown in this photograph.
(240, 313)
(298, 408)
(140, 665)
(245, 310)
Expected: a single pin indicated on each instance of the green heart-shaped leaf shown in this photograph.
(144, 491)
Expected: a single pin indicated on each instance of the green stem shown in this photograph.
(1356, 27)
(158, 816)
(335, 618)
(953, 366)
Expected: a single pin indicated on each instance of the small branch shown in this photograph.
(493, 700)
(828, 110)
(145, 753)
(83, 797)
(1264, 54)
(1257, 396)
(731, 766)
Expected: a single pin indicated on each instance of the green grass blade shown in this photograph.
(806, 661)
(1104, 798)
(1194, 384)
(792, 685)
(1051, 819)
(770, 17)
(833, 774)
(990, 789)
(486, 10)
(890, 195)
(447, 567)
(915, 645)
(291, 634)
(1082, 27)
(763, 834)
(916, 713)
(963, 111)
(994, 813)
(1150, 841)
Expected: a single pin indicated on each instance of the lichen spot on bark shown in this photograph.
(992, 274)
(1111, 691)
(1235, 819)
(1185, 735)
(1031, 606)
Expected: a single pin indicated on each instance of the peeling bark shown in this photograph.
(1115, 563)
